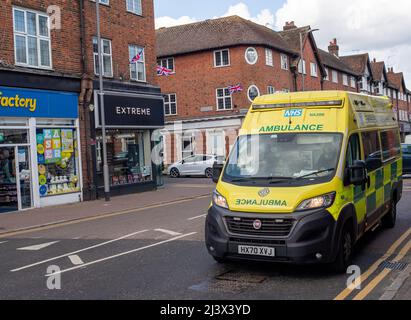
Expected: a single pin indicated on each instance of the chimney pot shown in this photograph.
(334, 48)
(289, 26)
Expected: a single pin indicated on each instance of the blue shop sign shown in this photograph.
(28, 103)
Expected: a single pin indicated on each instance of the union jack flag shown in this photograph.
(163, 71)
(236, 88)
(137, 57)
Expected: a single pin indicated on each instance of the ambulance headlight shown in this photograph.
(219, 200)
(324, 201)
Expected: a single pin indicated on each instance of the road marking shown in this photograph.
(346, 292)
(54, 225)
(76, 260)
(169, 232)
(124, 253)
(373, 284)
(78, 251)
(1, 242)
(204, 186)
(37, 247)
(198, 217)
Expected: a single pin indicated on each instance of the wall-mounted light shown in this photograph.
(91, 107)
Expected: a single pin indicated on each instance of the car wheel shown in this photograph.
(389, 220)
(345, 251)
(174, 173)
(209, 173)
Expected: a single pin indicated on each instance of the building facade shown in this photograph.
(49, 128)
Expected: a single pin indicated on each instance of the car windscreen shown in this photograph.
(292, 157)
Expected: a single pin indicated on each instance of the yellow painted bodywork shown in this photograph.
(342, 119)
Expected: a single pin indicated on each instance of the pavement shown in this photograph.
(139, 247)
(173, 191)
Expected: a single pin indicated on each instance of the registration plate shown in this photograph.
(256, 251)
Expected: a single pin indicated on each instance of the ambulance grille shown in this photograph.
(270, 227)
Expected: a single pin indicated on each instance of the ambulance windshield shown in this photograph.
(284, 157)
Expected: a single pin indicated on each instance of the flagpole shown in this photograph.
(102, 110)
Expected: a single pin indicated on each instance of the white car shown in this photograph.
(197, 165)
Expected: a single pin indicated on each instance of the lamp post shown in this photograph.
(101, 104)
(302, 56)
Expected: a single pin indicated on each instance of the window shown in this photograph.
(372, 150)
(353, 82)
(170, 104)
(345, 79)
(224, 101)
(284, 62)
(188, 147)
(269, 57)
(327, 74)
(253, 93)
(301, 67)
(106, 2)
(107, 57)
(32, 46)
(313, 68)
(134, 6)
(221, 58)
(353, 152)
(166, 63)
(58, 161)
(270, 90)
(251, 56)
(137, 68)
(335, 76)
(391, 145)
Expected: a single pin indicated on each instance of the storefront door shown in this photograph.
(15, 179)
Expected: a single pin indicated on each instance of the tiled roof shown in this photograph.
(378, 69)
(216, 33)
(396, 80)
(356, 62)
(334, 62)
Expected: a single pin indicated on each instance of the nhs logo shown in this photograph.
(293, 113)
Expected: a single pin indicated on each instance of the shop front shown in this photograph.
(39, 149)
(131, 123)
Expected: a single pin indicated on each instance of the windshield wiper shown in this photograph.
(314, 173)
(270, 179)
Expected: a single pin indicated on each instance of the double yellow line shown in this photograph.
(377, 280)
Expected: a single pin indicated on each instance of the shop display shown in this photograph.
(58, 167)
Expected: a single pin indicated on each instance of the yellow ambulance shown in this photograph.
(309, 175)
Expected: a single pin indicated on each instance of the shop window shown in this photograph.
(57, 157)
(372, 150)
(137, 63)
(128, 157)
(390, 143)
(13, 136)
(31, 38)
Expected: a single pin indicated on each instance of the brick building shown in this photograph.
(361, 64)
(232, 51)
(398, 94)
(379, 72)
(339, 76)
(49, 121)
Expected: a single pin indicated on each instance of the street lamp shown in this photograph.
(103, 116)
(302, 56)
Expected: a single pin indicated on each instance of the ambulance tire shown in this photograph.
(389, 220)
(345, 250)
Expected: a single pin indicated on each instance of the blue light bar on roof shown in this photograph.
(331, 103)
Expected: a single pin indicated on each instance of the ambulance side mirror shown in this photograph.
(358, 173)
(217, 170)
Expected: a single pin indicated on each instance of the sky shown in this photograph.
(379, 27)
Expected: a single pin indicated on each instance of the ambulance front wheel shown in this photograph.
(345, 250)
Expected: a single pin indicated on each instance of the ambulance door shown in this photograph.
(375, 185)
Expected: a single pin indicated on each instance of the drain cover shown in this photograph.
(400, 266)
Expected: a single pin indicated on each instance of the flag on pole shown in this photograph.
(163, 71)
(137, 57)
(236, 88)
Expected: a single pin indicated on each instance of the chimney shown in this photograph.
(390, 69)
(289, 26)
(333, 48)
(374, 60)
